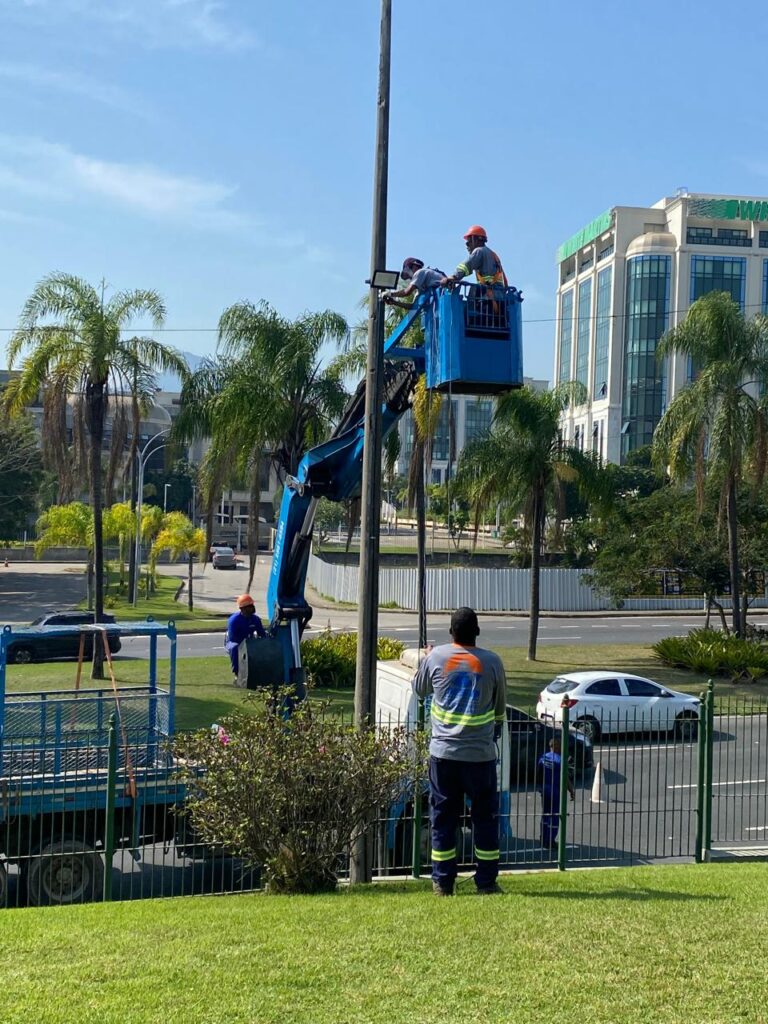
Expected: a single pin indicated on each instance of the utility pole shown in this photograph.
(368, 588)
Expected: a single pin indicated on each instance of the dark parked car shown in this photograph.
(47, 645)
(529, 739)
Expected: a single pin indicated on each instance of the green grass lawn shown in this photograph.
(204, 689)
(662, 945)
(161, 606)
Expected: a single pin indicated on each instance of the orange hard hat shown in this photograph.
(244, 600)
(477, 231)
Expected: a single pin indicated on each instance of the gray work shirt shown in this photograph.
(426, 278)
(469, 696)
(482, 260)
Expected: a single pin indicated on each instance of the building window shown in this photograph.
(406, 437)
(647, 310)
(725, 236)
(605, 253)
(444, 444)
(602, 332)
(583, 324)
(586, 263)
(765, 286)
(566, 335)
(437, 476)
(595, 437)
(478, 416)
(763, 240)
(718, 274)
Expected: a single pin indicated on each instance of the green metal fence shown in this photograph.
(84, 822)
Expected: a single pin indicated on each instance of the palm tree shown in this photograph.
(69, 525)
(69, 335)
(268, 390)
(179, 536)
(717, 424)
(523, 463)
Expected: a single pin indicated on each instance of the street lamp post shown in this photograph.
(165, 497)
(142, 457)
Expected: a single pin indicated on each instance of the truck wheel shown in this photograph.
(63, 872)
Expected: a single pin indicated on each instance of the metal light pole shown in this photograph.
(142, 457)
(165, 497)
(367, 621)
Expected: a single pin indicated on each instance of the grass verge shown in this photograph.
(652, 945)
(162, 606)
(204, 690)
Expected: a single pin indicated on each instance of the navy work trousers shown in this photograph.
(450, 782)
(550, 819)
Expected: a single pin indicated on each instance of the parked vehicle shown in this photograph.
(224, 558)
(44, 640)
(529, 739)
(608, 702)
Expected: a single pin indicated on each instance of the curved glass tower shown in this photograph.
(647, 315)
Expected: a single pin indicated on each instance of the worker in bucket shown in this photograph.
(548, 772)
(240, 626)
(420, 279)
(469, 698)
(482, 260)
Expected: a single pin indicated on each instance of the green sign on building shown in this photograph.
(729, 209)
(587, 234)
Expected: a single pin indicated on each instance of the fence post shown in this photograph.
(701, 802)
(562, 835)
(417, 806)
(109, 824)
(708, 788)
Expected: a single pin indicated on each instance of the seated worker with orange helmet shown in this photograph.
(484, 261)
(241, 625)
(420, 279)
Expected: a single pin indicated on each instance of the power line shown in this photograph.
(542, 320)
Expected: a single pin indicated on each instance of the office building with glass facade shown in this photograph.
(625, 279)
(469, 417)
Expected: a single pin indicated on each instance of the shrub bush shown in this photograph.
(714, 653)
(290, 794)
(330, 658)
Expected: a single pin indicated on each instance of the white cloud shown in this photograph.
(154, 23)
(31, 166)
(73, 83)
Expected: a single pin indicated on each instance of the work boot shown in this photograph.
(489, 890)
(440, 890)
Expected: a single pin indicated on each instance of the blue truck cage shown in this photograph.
(54, 731)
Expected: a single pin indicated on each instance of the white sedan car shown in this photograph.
(607, 701)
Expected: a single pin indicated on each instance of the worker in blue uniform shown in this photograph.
(548, 776)
(469, 698)
(240, 626)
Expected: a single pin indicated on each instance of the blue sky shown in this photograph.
(220, 151)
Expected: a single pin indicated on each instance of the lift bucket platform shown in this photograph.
(473, 340)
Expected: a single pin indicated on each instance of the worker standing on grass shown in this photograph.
(240, 626)
(420, 279)
(469, 697)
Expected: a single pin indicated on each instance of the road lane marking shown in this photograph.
(734, 782)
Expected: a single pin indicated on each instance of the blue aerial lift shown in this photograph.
(472, 346)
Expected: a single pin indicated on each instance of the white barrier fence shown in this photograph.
(489, 590)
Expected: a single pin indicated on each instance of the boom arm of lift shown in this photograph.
(332, 470)
(473, 345)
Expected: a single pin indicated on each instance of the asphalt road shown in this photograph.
(496, 631)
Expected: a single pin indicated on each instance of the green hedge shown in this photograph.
(330, 658)
(714, 653)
